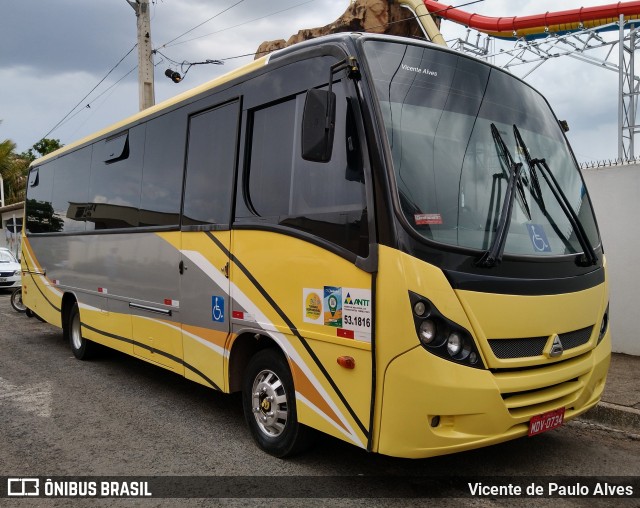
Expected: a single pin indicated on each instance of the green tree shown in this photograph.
(42, 148)
(13, 169)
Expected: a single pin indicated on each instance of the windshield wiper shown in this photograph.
(493, 255)
(535, 182)
(590, 257)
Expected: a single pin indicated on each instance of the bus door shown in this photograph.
(205, 307)
(301, 265)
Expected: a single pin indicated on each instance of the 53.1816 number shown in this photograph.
(357, 321)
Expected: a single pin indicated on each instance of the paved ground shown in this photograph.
(620, 405)
(121, 416)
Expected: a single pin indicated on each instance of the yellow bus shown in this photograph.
(373, 237)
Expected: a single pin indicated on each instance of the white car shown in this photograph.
(10, 273)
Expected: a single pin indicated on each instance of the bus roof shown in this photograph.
(240, 71)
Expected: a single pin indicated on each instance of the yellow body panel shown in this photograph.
(283, 266)
(468, 402)
(424, 405)
(476, 407)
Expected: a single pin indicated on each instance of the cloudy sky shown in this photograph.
(53, 53)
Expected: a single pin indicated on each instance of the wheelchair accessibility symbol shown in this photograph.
(538, 238)
(217, 309)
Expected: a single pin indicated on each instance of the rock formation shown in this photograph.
(374, 16)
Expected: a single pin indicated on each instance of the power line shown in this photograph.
(409, 18)
(240, 24)
(82, 100)
(198, 26)
(88, 105)
(70, 115)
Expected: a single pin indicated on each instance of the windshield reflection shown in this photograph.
(438, 109)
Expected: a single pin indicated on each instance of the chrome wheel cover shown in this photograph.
(269, 403)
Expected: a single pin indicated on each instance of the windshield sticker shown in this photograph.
(332, 306)
(538, 238)
(312, 306)
(427, 218)
(356, 312)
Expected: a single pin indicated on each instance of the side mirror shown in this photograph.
(318, 123)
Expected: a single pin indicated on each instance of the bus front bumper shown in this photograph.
(432, 406)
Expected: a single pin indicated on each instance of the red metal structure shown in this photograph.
(510, 27)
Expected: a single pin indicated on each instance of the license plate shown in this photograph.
(547, 421)
(3, 279)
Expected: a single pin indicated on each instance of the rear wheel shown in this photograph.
(268, 397)
(82, 348)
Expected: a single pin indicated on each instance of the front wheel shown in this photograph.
(16, 300)
(268, 398)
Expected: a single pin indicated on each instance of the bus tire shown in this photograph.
(268, 399)
(16, 301)
(82, 348)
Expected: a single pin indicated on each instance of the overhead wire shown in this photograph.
(90, 92)
(168, 45)
(71, 113)
(88, 105)
(383, 25)
(200, 24)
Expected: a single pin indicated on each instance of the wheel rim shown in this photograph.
(269, 403)
(76, 335)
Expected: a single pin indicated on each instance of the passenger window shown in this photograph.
(117, 148)
(70, 191)
(39, 208)
(164, 148)
(116, 183)
(211, 159)
(325, 199)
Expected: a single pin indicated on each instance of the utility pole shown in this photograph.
(145, 61)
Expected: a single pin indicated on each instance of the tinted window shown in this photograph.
(114, 191)
(163, 168)
(446, 117)
(39, 209)
(71, 189)
(210, 166)
(272, 152)
(324, 199)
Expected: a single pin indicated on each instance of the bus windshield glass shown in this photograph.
(456, 128)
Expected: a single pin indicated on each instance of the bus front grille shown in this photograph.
(530, 391)
(534, 346)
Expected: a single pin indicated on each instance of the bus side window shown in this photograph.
(115, 185)
(163, 169)
(211, 159)
(39, 214)
(326, 199)
(71, 190)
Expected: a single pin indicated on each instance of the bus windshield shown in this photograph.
(455, 128)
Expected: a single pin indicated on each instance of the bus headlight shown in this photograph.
(427, 331)
(454, 344)
(420, 309)
(441, 336)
